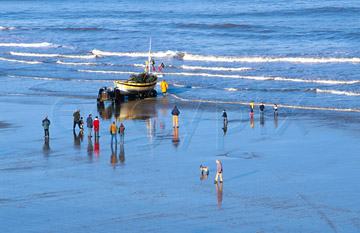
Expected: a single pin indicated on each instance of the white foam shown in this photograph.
(106, 72)
(52, 55)
(338, 92)
(6, 28)
(230, 89)
(279, 105)
(258, 78)
(134, 54)
(215, 68)
(194, 57)
(29, 45)
(20, 61)
(78, 63)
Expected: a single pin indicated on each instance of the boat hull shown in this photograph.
(133, 88)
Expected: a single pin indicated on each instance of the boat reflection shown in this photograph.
(131, 110)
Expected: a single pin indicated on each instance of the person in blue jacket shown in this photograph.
(46, 125)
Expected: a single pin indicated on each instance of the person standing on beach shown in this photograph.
(76, 116)
(262, 108)
(96, 124)
(121, 132)
(46, 125)
(275, 110)
(175, 112)
(164, 86)
(252, 108)
(89, 124)
(224, 115)
(81, 122)
(219, 172)
(113, 131)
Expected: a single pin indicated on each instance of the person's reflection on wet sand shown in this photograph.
(97, 147)
(219, 192)
(78, 138)
(176, 139)
(252, 121)
(90, 148)
(275, 121)
(224, 128)
(113, 158)
(46, 147)
(122, 153)
(262, 120)
(163, 108)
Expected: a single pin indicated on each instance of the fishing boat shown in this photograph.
(137, 86)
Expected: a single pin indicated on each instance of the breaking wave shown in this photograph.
(6, 28)
(269, 105)
(61, 79)
(194, 57)
(106, 72)
(258, 78)
(215, 68)
(53, 55)
(211, 58)
(20, 61)
(136, 54)
(78, 63)
(29, 45)
(338, 92)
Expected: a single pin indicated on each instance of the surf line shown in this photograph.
(269, 105)
(256, 78)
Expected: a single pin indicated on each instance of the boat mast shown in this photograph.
(150, 57)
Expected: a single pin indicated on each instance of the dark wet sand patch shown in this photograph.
(4, 125)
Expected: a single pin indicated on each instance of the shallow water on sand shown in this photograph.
(289, 166)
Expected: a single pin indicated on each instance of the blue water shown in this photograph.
(298, 53)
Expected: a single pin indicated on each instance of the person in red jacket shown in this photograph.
(96, 124)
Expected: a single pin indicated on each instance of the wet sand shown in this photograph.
(292, 173)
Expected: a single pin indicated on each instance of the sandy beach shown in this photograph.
(293, 173)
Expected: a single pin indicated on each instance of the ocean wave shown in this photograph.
(212, 58)
(215, 68)
(194, 57)
(28, 45)
(106, 71)
(61, 79)
(6, 28)
(257, 78)
(264, 78)
(216, 26)
(338, 92)
(20, 61)
(134, 54)
(78, 63)
(53, 55)
(269, 105)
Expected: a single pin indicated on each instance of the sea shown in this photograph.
(297, 54)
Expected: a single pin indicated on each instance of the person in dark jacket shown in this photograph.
(89, 124)
(76, 116)
(262, 108)
(224, 115)
(219, 172)
(122, 133)
(175, 112)
(46, 125)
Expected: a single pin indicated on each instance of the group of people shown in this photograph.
(114, 130)
(90, 123)
(262, 108)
